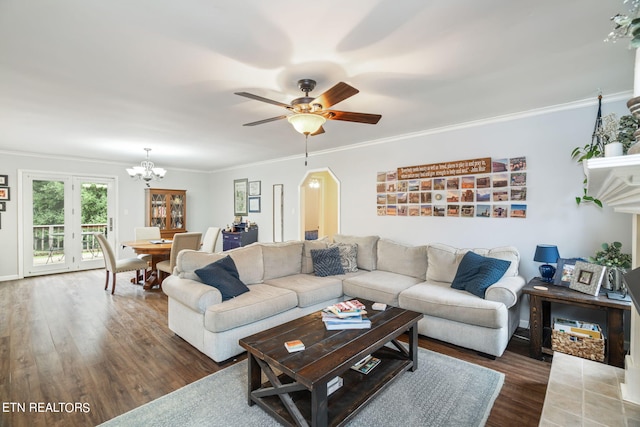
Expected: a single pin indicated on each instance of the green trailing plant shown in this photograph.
(611, 256)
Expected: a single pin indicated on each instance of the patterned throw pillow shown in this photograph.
(476, 273)
(326, 262)
(348, 256)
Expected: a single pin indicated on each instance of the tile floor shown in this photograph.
(586, 393)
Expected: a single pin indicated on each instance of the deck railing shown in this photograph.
(47, 238)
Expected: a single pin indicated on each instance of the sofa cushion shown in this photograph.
(476, 273)
(249, 263)
(439, 299)
(443, 260)
(310, 289)
(223, 276)
(281, 259)
(366, 249)
(307, 262)
(348, 256)
(402, 259)
(326, 262)
(189, 260)
(378, 286)
(263, 301)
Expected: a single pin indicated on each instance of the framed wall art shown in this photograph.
(587, 278)
(240, 197)
(254, 204)
(4, 193)
(3, 206)
(4, 180)
(254, 188)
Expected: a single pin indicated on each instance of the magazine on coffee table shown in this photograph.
(366, 365)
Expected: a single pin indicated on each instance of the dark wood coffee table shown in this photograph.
(296, 390)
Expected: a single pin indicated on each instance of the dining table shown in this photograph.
(159, 250)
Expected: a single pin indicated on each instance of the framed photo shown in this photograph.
(4, 180)
(4, 193)
(564, 272)
(254, 188)
(587, 278)
(240, 197)
(254, 204)
(3, 206)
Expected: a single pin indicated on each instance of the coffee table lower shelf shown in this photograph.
(358, 389)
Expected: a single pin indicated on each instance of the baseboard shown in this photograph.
(7, 278)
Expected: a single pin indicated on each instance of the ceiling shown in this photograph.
(104, 79)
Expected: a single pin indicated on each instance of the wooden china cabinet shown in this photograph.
(166, 209)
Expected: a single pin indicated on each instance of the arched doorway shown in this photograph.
(319, 204)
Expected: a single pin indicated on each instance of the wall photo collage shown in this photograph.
(476, 188)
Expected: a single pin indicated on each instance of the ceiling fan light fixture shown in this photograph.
(306, 123)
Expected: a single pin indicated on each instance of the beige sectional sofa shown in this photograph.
(282, 287)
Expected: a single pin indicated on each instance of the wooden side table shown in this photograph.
(540, 317)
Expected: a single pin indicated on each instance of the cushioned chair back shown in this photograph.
(209, 240)
(107, 252)
(147, 233)
(183, 241)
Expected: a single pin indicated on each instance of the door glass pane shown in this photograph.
(48, 222)
(93, 211)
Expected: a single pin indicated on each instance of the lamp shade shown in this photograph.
(306, 123)
(546, 253)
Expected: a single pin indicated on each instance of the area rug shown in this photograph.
(443, 391)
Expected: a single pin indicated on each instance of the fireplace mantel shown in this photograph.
(616, 182)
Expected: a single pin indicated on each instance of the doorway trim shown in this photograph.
(301, 199)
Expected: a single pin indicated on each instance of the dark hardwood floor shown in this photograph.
(72, 354)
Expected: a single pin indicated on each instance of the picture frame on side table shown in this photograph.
(587, 278)
(240, 197)
(565, 270)
(4, 180)
(4, 193)
(255, 188)
(254, 204)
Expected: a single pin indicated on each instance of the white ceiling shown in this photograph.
(104, 79)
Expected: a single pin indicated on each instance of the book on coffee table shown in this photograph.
(366, 365)
(293, 346)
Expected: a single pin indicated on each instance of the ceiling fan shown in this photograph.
(309, 114)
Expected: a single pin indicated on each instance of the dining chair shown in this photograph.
(113, 265)
(181, 241)
(210, 239)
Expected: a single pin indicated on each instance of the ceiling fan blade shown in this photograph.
(259, 122)
(260, 98)
(319, 131)
(339, 92)
(349, 116)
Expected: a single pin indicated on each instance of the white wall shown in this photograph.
(553, 181)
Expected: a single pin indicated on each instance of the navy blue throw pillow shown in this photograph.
(223, 275)
(326, 262)
(476, 273)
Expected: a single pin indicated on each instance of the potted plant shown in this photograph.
(611, 256)
(612, 137)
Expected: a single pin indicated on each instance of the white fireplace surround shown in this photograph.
(616, 182)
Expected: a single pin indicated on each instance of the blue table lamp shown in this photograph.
(547, 254)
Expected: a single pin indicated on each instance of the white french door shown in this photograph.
(60, 213)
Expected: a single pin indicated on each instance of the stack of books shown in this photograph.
(346, 315)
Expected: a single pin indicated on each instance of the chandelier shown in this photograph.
(626, 26)
(146, 171)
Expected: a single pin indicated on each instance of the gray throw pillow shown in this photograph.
(348, 256)
(326, 262)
